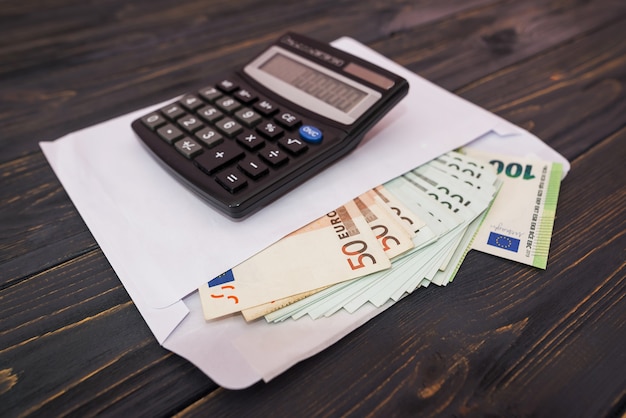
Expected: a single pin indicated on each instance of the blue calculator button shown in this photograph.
(310, 134)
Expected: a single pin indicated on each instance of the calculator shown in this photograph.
(249, 136)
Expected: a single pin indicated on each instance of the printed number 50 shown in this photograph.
(357, 248)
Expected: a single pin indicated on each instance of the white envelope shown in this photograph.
(164, 242)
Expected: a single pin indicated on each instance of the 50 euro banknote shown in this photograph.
(336, 247)
(393, 225)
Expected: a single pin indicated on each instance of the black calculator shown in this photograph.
(253, 134)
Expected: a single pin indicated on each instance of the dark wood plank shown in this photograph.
(461, 49)
(40, 226)
(570, 97)
(565, 97)
(81, 347)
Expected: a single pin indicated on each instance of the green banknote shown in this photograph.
(519, 223)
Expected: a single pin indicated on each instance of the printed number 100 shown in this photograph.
(514, 170)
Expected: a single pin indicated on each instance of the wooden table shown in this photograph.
(503, 340)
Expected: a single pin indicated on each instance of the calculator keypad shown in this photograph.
(261, 130)
(231, 133)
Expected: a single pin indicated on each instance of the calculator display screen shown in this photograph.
(326, 88)
(329, 93)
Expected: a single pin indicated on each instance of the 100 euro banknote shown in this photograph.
(519, 223)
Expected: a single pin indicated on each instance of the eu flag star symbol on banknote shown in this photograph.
(222, 278)
(503, 241)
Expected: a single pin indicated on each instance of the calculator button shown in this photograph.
(209, 137)
(274, 156)
(173, 111)
(265, 107)
(245, 96)
(227, 86)
(250, 140)
(231, 180)
(227, 104)
(270, 130)
(191, 102)
(219, 157)
(153, 120)
(253, 167)
(190, 123)
(248, 117)
(229, 127)
(210, 114)
(188, 147)
(311, 134)
(169, 133)
(210, 93)
(293, 145)
(288, 120)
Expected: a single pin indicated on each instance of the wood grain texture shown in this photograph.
(502, 340)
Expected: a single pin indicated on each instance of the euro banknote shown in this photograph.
(336, 247)
(519, 224)
(386, 224)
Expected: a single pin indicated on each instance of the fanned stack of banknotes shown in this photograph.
(411, 232)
